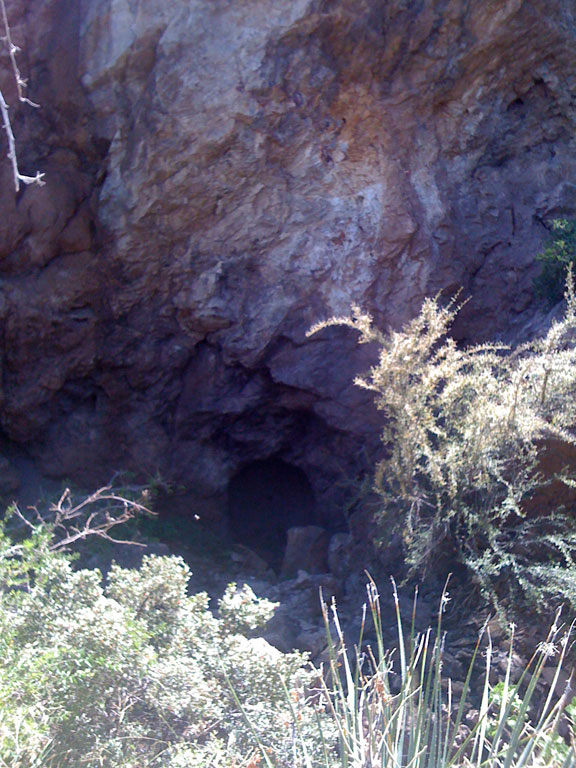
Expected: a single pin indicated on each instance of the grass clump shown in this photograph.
(464, 430)
(399, 711)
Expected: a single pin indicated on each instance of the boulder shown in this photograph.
(306, 551)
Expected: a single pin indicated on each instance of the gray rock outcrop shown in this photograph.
(221, 175)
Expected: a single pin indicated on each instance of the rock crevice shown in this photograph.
(222, 175)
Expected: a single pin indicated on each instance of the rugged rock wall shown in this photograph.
(222, 174)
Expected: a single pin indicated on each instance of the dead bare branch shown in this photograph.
(21, 83)
(95, 515)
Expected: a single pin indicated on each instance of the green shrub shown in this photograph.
(463, 432)
(134, 672)
(137, 673)
(557, 256)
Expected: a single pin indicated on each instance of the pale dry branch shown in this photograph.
(19, 178)
(95, 515)
(21, 83)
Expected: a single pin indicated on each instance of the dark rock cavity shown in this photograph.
(265, 499)
(220, 175)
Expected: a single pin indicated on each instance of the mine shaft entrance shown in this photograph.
(265, 498)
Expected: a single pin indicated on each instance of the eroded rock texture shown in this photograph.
(222, 174)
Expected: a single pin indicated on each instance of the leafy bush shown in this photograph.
(558, 255)
(136, 672)
(464, 430)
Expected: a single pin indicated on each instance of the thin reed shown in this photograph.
(397, 710)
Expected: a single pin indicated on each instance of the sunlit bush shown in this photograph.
(463, 429)
(134, 672)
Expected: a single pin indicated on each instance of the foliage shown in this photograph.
(138, 673)
(464, 429)
(135, 672)
(557, 256)
(402, 713)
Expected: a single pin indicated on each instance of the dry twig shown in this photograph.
(95, 515)
(21, 83)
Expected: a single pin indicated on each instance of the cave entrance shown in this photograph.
(265, 499)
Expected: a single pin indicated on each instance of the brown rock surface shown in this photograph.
(221, 175)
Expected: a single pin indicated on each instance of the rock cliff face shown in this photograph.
(222, 174)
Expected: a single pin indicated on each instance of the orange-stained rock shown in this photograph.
(220, 175)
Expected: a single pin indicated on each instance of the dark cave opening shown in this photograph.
(265, 499)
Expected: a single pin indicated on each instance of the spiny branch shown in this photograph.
(95, 515)
(21, 83)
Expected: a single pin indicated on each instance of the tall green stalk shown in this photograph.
(424, 725)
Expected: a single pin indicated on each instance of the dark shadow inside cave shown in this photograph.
(265, 498)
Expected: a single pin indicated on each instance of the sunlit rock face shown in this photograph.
(223, 174)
